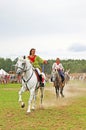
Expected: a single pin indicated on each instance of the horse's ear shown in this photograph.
(24, 57)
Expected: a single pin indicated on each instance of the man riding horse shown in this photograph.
(57, 77)
(58, 66)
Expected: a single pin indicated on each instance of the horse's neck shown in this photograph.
(57, 75)
(28, 72)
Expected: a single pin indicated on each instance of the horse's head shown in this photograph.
(22, 65)
(54, 75)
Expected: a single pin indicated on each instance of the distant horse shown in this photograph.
(57, 80)
(67, 76)
(30, 81)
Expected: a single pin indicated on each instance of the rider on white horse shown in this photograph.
(36, 61)
(30, 82)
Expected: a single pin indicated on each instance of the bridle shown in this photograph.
(25, 70)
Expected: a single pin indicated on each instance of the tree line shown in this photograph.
(75, 66)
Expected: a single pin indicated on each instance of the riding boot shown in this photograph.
(62, 79)
(41, 80)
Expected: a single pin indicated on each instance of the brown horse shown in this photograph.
(58, 84)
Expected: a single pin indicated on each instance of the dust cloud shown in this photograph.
(71, 91)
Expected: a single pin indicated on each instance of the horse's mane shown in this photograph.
(23, 58)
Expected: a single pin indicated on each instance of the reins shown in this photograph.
(27, 79)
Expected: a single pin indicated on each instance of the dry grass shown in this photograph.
(68, 113)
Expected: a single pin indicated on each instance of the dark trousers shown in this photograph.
(61, 73)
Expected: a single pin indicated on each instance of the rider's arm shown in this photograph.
(61, 67)
(54, 66)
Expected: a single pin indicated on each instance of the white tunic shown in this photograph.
(57, 67)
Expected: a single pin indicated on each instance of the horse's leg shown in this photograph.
(42, 93)
(32, 92)
(61, 91)
(57, 91)
(34, 99)
(23, 89)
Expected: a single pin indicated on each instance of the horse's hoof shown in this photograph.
(62, 96)
(22, 105)
(33, 108)
(28, 112)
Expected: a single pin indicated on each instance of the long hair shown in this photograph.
(31, 50)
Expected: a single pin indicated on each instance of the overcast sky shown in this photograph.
(55, 28)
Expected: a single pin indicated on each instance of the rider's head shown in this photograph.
(32, 51)
(57, 60)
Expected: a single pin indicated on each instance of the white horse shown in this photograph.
(29, 82)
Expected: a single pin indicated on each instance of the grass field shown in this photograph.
(68, 113)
